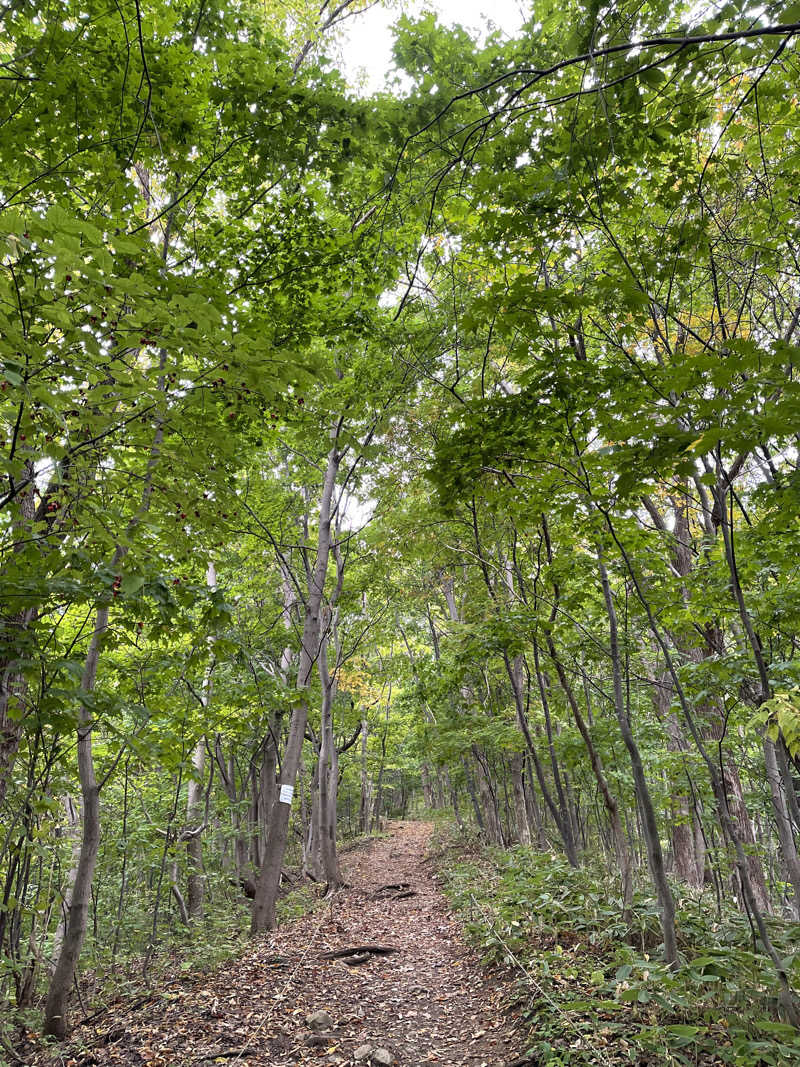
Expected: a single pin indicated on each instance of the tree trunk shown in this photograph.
(649, 825)
(194, 846)
(55, 1022)
(427, 792)
(784, 823)
(195, 885)
(74, 834)
(328, 756)
(744, 832)
(227, 772)
(270, 873)
(714, 645)
(514, 672)
(312, 849)
(488, 798)
(609, 800)
(689, 866)
(534, 811)
(787, 997)
(55, 1014)
(564, 821)
(268, 779)
(330, 857)
(364, 807)
(473, 796)
(523, 830)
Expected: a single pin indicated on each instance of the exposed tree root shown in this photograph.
(359, 950)
(394, 891)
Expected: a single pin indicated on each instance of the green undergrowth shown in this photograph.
(593, 991)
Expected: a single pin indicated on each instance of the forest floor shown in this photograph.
(428, 1002)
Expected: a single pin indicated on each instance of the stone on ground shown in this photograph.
(319, 1020)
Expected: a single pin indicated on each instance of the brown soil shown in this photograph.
(430, 1002)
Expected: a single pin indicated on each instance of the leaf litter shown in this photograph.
(419, 995)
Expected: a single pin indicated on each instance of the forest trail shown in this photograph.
(430, 1002)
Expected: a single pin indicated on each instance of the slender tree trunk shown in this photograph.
(687, 860)
(13, 692)
(330, 856)
(55, 1014)
(376, 810)
(682, 830)
(427, 792)
(175, 889)
(649, 824)
(312, 852)
(473, 795)
(609, 800)
(268, 779)
(123, 881)
(364, 806)
(227, 772)
(564, 821)
(55, 1020)
(456, 809)
(195, 884)
(329, 756)
(745, 833)
(523, 828)
(700, 847)
(789, 788)
(787, 996)
(514, 672)
(194, 846)
(74, 834)
(488, 797)
(534, 812)
(784, 823)
(714, 646)
(328, 767)
(270, 873)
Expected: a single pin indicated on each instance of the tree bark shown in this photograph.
(55, 1013)
(364, 806)
(514, 672)
(488, 797)
(195, 883)
(784, 823)
(269, 876)
(74, 834)
(655, 856)
(523, 829)
(689, 865)
(312, 849)
(328, 769)
(609, 800)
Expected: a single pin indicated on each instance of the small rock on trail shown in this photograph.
(319, 1020)
(430, 1002)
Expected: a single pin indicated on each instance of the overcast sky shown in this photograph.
(368, 40)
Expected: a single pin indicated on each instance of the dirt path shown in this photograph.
(427, 1003)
